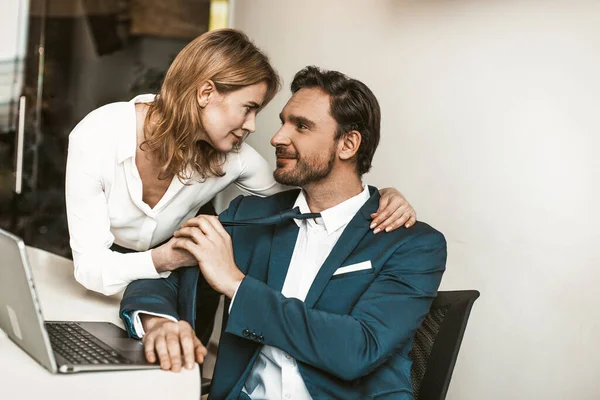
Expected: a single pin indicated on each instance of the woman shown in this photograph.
(137, 170)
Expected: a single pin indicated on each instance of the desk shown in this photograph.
(62, 298)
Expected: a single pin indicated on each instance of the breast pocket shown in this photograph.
(356, 269)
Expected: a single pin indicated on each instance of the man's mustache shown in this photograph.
(280, 152)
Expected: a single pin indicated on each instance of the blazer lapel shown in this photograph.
(283, 243)
(357, 228)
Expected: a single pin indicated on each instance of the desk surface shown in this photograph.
(62, 298)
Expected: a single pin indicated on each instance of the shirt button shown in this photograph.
(288, 396)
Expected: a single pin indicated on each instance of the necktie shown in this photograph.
(283, 216)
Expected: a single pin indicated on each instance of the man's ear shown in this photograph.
(205, 93)
(349, 144)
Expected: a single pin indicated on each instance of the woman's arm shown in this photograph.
(256, 178)
(256, 175)
(96, 267)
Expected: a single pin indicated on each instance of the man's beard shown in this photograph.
(306, 170)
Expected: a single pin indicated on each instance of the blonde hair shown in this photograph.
(232, 62)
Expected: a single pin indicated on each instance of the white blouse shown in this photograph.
(104, 198)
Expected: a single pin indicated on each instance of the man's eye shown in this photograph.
(301, 127)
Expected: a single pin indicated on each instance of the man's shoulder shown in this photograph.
(255, 206)
(420, 234)
(418, 248)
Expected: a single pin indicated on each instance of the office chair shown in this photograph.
(437, 342)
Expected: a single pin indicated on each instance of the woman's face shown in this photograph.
(228, 118)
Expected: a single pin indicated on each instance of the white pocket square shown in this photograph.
(354, 267)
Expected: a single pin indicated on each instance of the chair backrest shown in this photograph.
(437, 342)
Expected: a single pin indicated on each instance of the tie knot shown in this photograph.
(296, 214)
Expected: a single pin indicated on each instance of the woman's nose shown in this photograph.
(249, 124)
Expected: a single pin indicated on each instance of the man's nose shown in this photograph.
(280, 138)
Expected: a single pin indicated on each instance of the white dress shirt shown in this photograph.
(104, 198)
(275, 374)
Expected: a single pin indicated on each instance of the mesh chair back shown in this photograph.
(437, 342)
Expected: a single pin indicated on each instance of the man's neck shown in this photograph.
(331, 192)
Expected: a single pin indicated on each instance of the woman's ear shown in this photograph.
(205, 93)
(349, 144)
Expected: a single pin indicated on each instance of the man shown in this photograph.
(321, 308)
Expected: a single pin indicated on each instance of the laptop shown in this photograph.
(59, 346)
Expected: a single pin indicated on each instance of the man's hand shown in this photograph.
(169, 340)
(168, 258)
(393, 212)
(206, 239)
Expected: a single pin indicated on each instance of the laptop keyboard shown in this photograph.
(78, 346)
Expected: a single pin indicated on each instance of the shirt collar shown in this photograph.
(127, 141)
(337, 216)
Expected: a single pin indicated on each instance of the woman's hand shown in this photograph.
(205, 238)
(393, 212)
(168, 258)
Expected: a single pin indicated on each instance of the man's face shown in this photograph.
(304, 145)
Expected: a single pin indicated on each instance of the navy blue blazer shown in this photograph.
(350, 337)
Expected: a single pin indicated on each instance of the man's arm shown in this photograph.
(155, 301)
(348, 346)
(156, 296)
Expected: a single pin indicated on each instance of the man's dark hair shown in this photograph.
(353, 106)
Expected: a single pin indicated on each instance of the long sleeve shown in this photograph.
(384, 318)
(153, 296)
(96, 267)
(256, 177)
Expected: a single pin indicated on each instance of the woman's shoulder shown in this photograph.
(106, 121)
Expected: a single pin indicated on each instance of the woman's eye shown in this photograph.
(247, 109)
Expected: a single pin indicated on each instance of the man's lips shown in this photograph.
(282, 155)
(285, 156)
(282, 159)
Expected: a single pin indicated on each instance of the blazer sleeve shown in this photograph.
(350, 346)
(157, 296)
(160, 296)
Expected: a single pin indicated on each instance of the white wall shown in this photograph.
(491, 129)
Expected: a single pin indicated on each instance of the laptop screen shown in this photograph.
(20, 313)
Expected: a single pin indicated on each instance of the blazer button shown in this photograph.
(253, 336)
(246, 332)
(261, 338)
